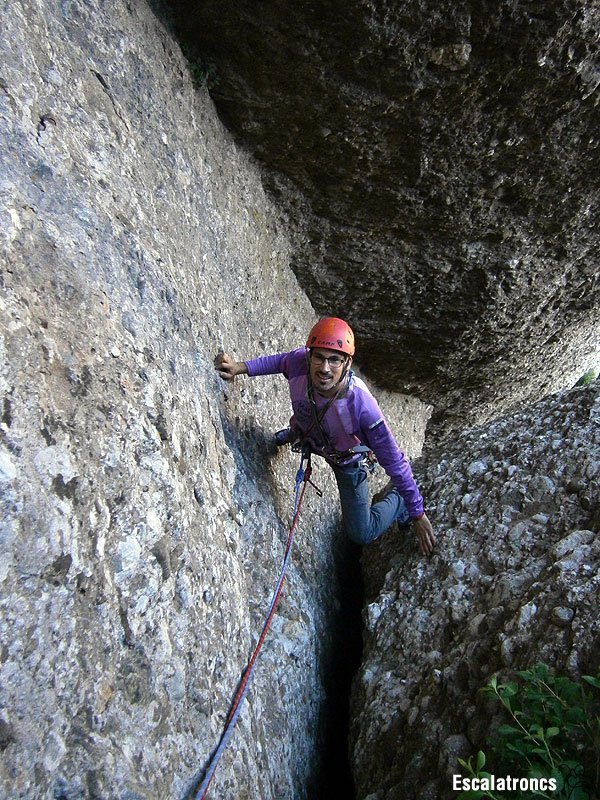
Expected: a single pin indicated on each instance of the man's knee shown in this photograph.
(358, 535)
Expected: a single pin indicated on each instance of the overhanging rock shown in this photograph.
(440, 164)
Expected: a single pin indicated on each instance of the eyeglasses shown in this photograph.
(335, 362)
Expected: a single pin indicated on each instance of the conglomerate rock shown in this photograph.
(514, 581)
(440, 161)
(144, 512)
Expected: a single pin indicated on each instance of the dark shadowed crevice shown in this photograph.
(345, 661)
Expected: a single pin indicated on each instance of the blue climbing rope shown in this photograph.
(302, 480)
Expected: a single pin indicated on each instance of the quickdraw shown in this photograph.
(303, 476)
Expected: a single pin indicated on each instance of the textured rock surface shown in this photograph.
(143, 511)
(515, 581)
(441, 161)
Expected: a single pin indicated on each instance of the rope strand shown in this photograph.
(302, 481)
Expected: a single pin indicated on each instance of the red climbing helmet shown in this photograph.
(333, 334)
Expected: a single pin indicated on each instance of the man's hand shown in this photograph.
(425, 535)
(228, 368)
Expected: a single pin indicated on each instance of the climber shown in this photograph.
(336, 414)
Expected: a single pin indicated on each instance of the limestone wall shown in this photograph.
(514, 581)
(144, 511)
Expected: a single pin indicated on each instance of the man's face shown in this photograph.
(326, 369)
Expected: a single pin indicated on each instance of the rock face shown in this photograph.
(440, 162)
(144, 512)
(515, 580)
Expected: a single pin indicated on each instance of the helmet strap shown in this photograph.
(345, 370)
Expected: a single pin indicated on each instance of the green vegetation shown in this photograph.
(202, 71)
(552, 734)
(587, 378)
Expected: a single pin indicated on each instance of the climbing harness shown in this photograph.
(370, 459)
(303, 478)
(329, 451)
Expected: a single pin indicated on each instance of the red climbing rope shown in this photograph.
(302, 480)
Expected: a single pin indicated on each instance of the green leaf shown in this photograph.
(578, 793)
(575, 715)
(536, 730)
(551, 727)
(592, 681)
(508, 730)
(516, 748)
(467, 766)
(536, 772)
(525, 674)
(560, 781)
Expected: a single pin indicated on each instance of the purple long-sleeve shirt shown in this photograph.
(352, 419)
